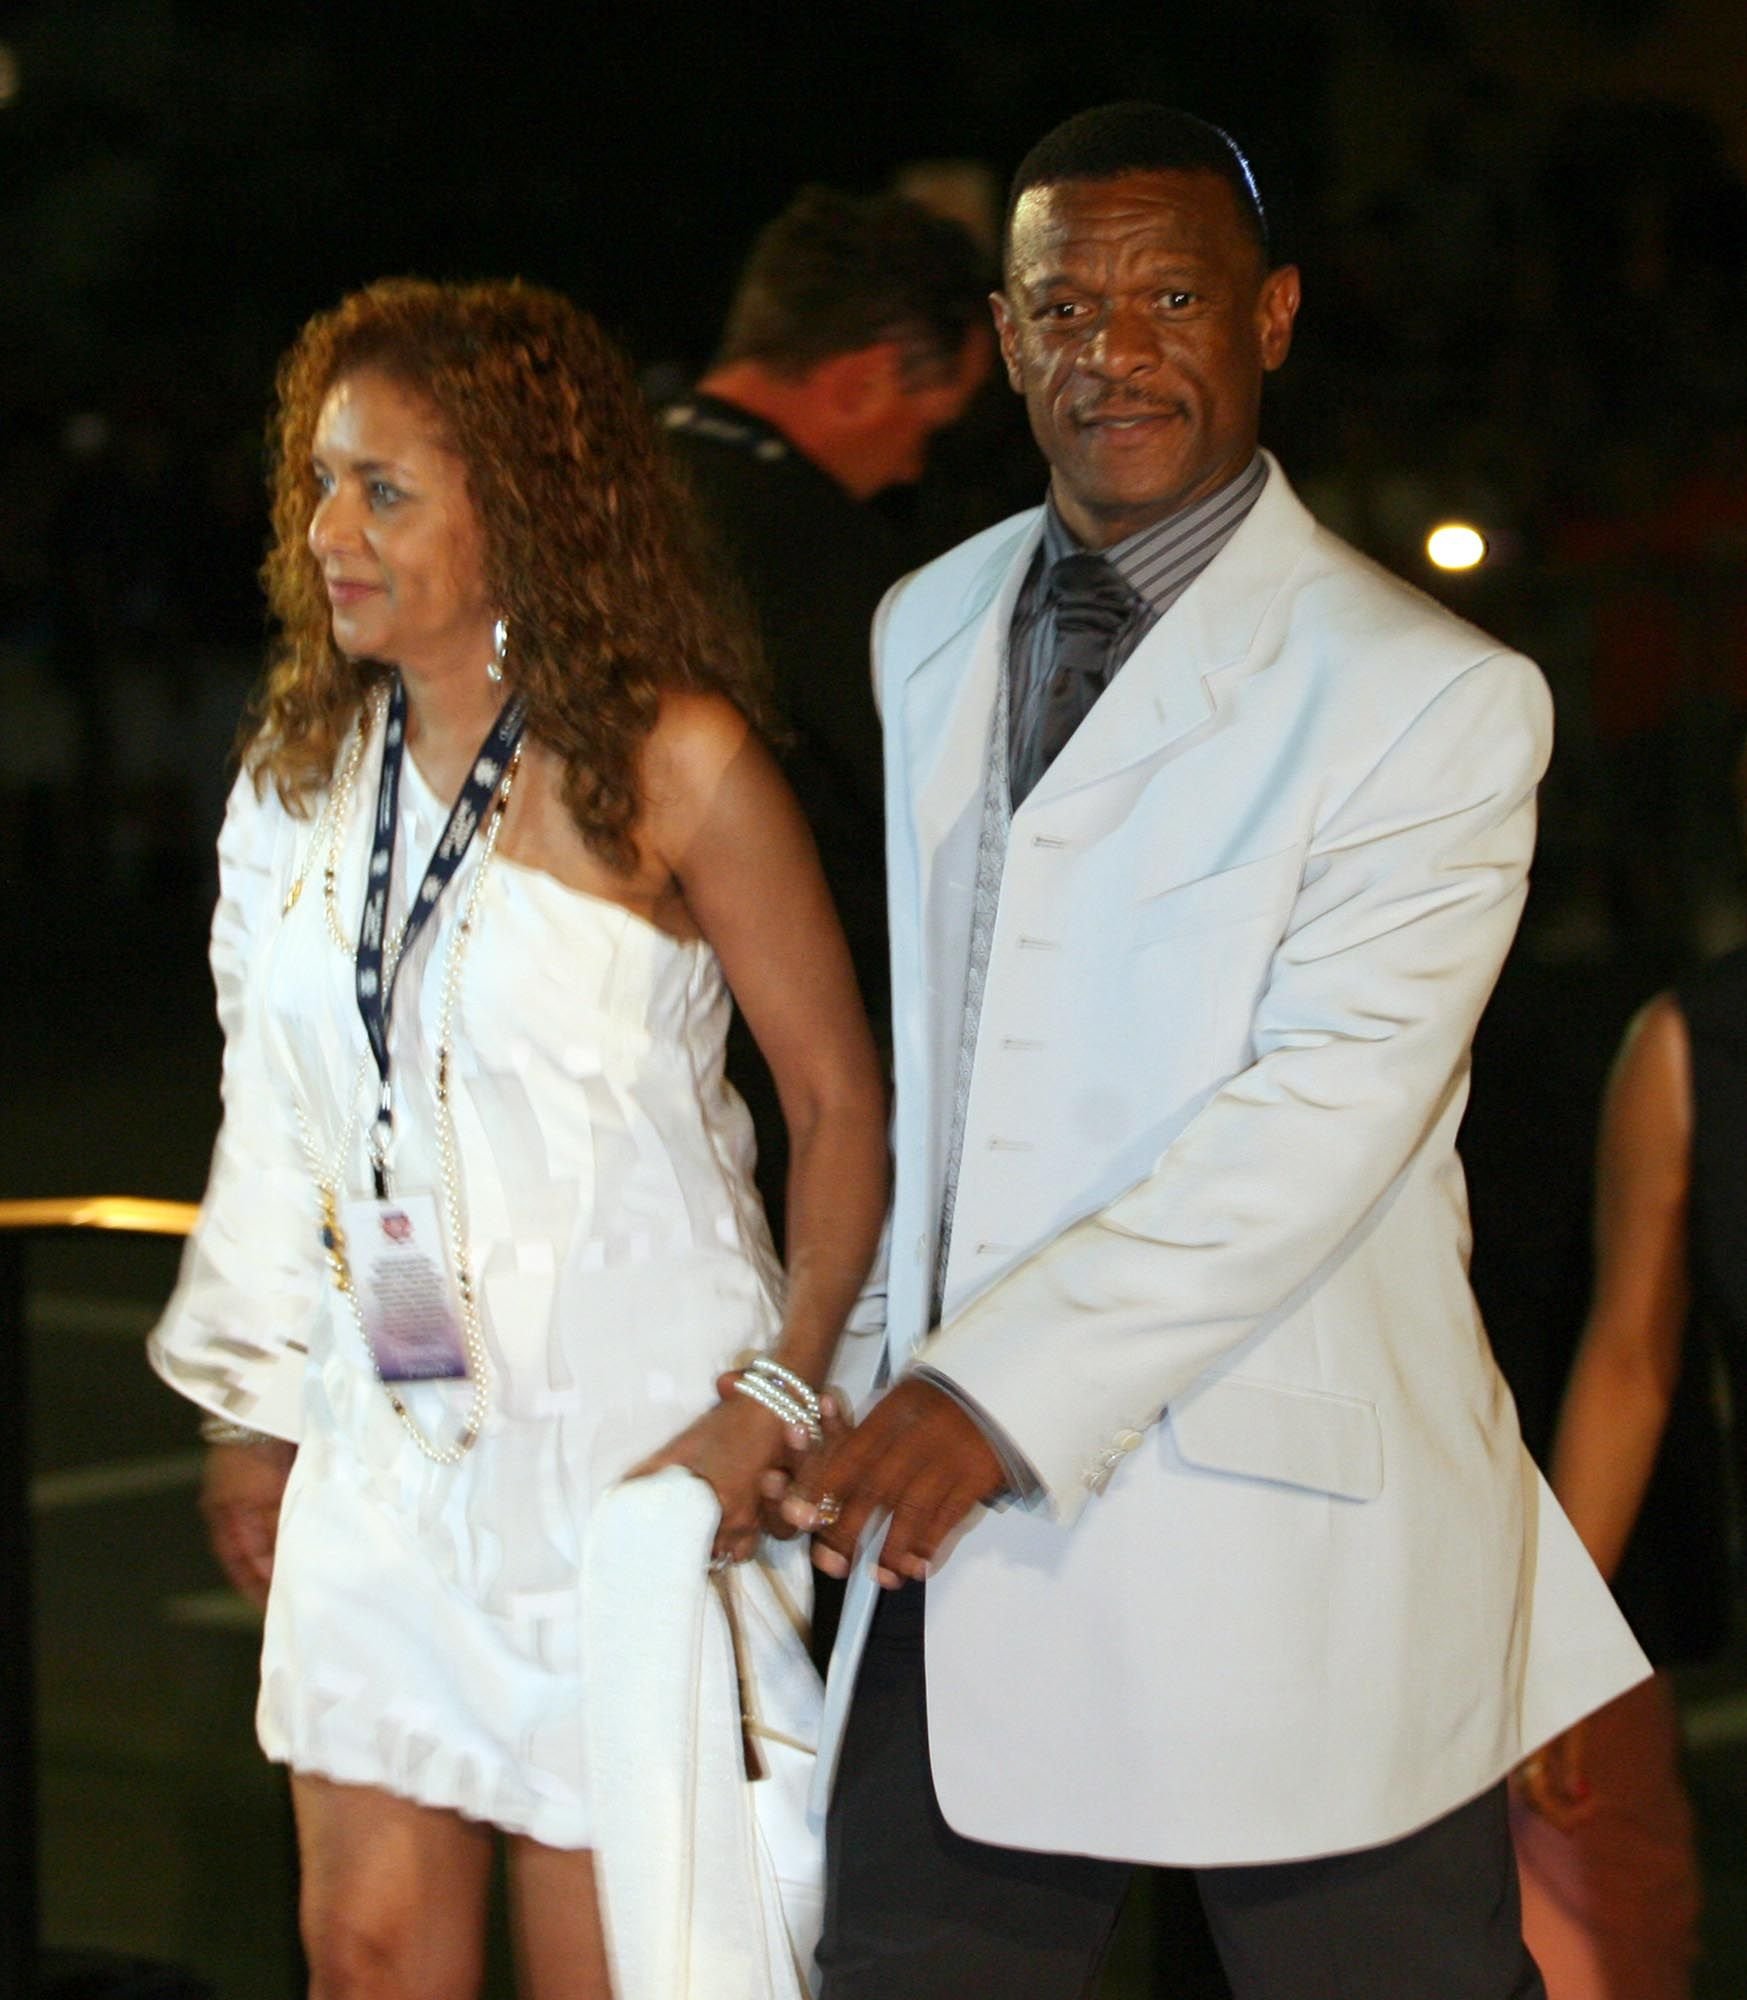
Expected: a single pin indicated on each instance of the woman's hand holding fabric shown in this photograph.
(749, 1458)
(731, 1447)
(240, 1492)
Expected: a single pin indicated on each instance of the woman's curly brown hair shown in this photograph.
(590, 549)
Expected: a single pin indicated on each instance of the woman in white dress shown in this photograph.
(480, 1237)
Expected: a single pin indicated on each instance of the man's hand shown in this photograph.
(918, 1455)
(773, 1486)
(240, 1492)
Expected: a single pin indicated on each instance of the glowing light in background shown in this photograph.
(1455, 545)
(9, 75)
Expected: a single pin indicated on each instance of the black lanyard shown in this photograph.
(375, 995)
(727, 423)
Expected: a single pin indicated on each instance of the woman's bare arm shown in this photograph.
(722, 819)
(1628, 1362)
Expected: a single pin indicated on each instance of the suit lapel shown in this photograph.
(945, 709)
(1175, 681)
(949, 696)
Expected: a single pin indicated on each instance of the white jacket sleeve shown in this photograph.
(234, 1337)
(1411, 893)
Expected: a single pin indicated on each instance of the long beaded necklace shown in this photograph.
(329, 1179)
(331, 827)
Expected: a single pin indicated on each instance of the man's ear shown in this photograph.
(1007, 334)
(1276, 313)
(858, 385)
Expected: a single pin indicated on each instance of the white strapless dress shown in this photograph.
(425, 1629)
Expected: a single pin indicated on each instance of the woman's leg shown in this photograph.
(561, 1950)
(393, 1902)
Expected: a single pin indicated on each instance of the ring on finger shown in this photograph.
(829, 1509)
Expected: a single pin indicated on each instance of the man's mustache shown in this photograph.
(1113, 409)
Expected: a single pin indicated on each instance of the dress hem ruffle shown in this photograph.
(366, 1773)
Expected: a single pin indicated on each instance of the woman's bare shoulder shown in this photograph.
(698, 738)
(697, 731)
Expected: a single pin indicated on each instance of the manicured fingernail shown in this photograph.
(887, 1579)
(830, 1561)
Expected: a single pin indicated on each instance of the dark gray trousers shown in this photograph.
(915, 1911)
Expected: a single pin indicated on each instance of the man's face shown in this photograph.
(1137, 322)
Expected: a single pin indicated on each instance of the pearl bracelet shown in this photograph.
(780, 1403)
(786, 1380)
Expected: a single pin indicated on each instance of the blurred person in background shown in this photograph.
(480, 1238)
(985, 467)
(1603, 1825)
(857, 331)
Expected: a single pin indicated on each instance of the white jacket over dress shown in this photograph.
(1294, 1587)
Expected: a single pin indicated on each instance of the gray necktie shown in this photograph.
(1092, 605)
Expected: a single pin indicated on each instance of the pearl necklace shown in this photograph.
(329, 1180)
(333, 821)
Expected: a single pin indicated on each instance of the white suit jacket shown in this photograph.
(1294, 1587)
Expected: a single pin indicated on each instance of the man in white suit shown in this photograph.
(1206, 841)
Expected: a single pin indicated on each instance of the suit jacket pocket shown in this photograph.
(1250, 889)
(1297, 1437)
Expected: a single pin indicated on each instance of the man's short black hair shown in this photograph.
(1139, 138)
(836, 272)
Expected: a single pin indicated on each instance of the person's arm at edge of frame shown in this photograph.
(1628, 1361)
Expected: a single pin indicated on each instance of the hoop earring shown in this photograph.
(500, 638)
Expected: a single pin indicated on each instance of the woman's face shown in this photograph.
(395, 532)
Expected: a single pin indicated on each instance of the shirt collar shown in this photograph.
(1157, 561)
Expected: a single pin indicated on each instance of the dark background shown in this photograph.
(1523, 229)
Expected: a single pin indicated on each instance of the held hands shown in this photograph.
(240, 1492)
(1552, 1784)
(917, 1455)
(747, 1455)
